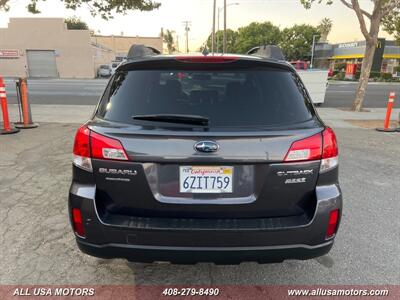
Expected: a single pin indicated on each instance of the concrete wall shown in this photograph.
(121, 44)
(73, 48)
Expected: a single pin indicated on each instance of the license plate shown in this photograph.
(201, 179)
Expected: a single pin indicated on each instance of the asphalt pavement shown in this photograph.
(88, 91)
(38, 247)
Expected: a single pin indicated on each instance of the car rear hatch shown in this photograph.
(204, 140)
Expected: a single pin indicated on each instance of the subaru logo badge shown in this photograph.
(206, 146)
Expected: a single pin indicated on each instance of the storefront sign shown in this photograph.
(348, 45)
(378, 56)
(9, 53)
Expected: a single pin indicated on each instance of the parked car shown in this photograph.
(205, 159)
(299, 64)
(114, 66)
(104, 71)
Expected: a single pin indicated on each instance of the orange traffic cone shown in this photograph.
(7, 129)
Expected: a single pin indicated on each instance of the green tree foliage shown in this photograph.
(296, 41)
(231, 38)
(256, 34)
(391, 24)
(168, 38)
(75, 23)
(324, 27)
(104, 8)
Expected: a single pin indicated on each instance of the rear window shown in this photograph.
(232, 98)
(104, 67)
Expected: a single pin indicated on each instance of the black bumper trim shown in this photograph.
(218, 255)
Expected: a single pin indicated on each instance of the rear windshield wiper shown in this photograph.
(174, 118)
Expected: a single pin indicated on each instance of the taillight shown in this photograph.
(307, 149)
(82, 149)
(77, 222)
(103, 147)
(321, 146)
(332, 224)
(207, 59)
(330, 151)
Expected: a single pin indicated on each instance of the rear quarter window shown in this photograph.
(232, 98)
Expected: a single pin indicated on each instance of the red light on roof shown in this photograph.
(207, 59)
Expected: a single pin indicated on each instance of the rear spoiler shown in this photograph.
(267, 51)
(141, 51)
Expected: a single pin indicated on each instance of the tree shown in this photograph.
(324, 27)
(168, 38)
(104, 8)
(296, 41)
(391, 24)
(75, 23)
(256, 34)
(380, 10)
(231, 37)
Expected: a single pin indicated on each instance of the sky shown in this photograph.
(172, 14)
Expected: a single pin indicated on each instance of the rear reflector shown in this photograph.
(207, 59)
(82, 149)
(307, 149)
(77, 222)
(103, 147)
(333, 222)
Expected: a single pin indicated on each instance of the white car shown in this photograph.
(104, 71)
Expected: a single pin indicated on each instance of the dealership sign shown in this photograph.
(9, 53)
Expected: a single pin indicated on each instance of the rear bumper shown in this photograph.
(186, 242)
(218, 255)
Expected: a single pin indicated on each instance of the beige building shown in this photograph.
(45, 48)
(120, 44)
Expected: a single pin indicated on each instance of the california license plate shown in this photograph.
(205, 179)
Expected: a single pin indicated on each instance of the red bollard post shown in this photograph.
(7, 129)
(388, 114)
(25, 107)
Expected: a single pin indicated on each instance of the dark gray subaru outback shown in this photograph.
(207, 158)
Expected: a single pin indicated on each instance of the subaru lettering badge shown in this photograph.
(206, 146)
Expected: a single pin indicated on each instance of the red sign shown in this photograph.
(9, 53)
(351, 69)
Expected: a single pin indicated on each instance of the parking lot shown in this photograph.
(38, 245)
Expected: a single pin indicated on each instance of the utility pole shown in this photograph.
(177, 43)
(187, 25)
(219, 12)
(224, 50)
(213, 28)
(313, 50)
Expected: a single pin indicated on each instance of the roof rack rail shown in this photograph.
(141, 51)
(267, 51)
